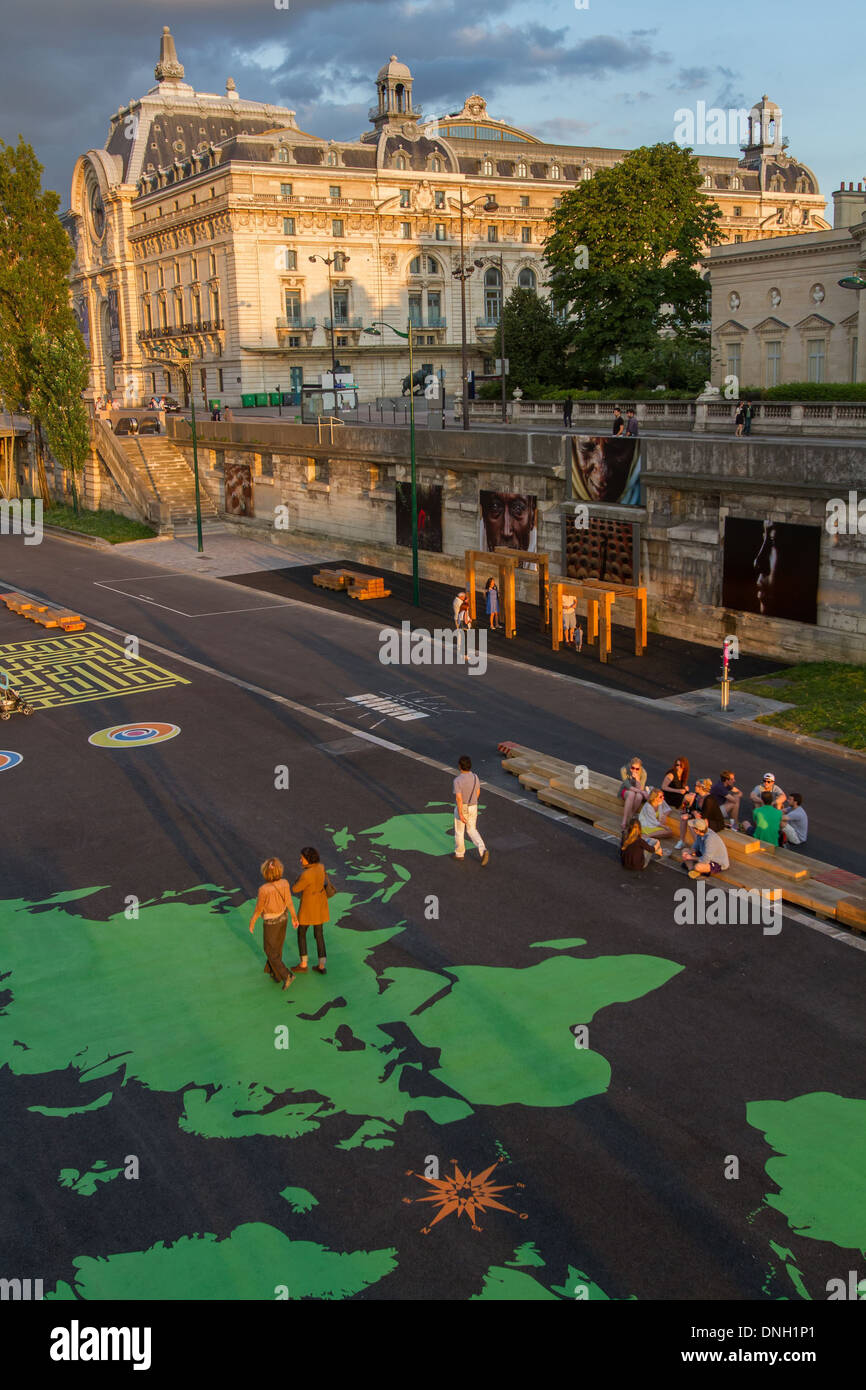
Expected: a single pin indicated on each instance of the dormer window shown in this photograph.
(587, 172)
(555, 171)
(436, 166)
(400, 162)
(521, 170)
(735, 182)
(708, 180)
(283, 155)
(487, 167)
(332, 158)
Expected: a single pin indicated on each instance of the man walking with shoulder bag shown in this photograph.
(467, 786)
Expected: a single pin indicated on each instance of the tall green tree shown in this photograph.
(534, 342)
(623, 253)
(35, 259)
(43, 361)
(60, 375)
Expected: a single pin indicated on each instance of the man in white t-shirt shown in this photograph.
(467, 786)
(769, 784)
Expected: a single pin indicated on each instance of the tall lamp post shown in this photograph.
(329, 261)
(374, 328)
(490, 205)
(183, 363)
(500, 259)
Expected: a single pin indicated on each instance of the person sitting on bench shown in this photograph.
(700, 801)
(795, 822)
(633, 792)
(653, 813)
(635, 852)
(710, 853)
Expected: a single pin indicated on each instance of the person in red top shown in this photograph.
(274, 904)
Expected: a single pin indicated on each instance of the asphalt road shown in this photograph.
(618, 1180)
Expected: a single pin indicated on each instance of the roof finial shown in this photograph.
(168, 69)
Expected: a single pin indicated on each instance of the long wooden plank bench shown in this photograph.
(63, 618)
(804, 882)
(19, 603)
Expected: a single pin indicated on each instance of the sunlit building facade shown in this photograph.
(195, 227)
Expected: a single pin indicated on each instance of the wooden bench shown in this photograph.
(356, 584)
(63, 618)
(808, 883)
(19, 603)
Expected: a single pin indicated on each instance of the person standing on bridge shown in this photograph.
(273, 905)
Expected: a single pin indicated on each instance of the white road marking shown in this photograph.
(382, 705)
(504, 793)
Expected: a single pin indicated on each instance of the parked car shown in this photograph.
(171, 405)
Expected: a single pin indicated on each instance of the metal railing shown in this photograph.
(296, 325)
(347, 322)
(486, 321)
(182, 330)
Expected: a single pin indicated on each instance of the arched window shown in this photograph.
(283, 155)
(521, 170)
(492, 294)
(415, 265)
(400, 93)
(708, 180)
(555, 171)
(587, 172)
(399, 162)
(436, 166)
(735, 182)
(527, 280)
(332, 158)
(433, 266)
(487, 166)
(339, 262)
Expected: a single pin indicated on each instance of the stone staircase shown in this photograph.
(164, 471)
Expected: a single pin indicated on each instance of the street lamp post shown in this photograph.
(490, 205)
(329, 261)
(501, 261)
(186, 368)
(374, 329)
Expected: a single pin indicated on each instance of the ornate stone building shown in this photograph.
(196, 227)
(779, 313)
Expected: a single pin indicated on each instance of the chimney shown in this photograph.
(849, 205)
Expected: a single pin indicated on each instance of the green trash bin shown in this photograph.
(261, 398)
(275, 398)
(248, 401)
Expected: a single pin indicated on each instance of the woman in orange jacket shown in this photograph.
(313, 911)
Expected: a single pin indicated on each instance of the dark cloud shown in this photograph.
(75, 64)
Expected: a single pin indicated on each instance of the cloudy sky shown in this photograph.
(611, 74)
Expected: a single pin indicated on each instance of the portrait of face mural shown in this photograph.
(605, 469)
(771, 568)
(509, 519)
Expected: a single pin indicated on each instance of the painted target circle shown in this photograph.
(8, 759)
(133, 735)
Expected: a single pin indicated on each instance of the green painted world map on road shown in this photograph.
(117, 1006)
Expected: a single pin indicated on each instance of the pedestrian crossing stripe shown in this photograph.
(384, 706)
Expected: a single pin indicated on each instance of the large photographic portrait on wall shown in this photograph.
(771, 568)
(509, 520)
(605, 468)
(238, 489)
(604, 549)
(429, 498)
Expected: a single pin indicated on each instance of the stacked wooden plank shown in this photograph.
(593, 796)
(356, 584)
(44, 614)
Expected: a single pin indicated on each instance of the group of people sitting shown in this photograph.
(707, 809)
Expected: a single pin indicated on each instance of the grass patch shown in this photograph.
(828, 698)
(111, 526)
